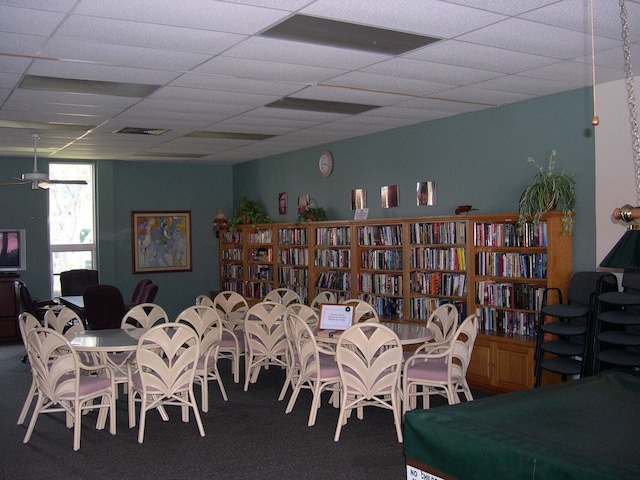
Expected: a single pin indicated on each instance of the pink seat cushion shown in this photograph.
(435, 371)
(90, 384)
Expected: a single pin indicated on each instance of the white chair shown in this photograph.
(207, 324)
(230, 304)
(317, 368)
(441, 370)
(63, 320)
(166, 360)
(144, 315)
(26, 323)
(310, 316)
(323, 297)
(443, 323)
(364, 311)
(265, 339)
(369, 358)
(63, 384)
(285, 296)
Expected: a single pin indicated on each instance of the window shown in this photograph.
(71, 220)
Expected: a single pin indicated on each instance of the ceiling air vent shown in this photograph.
(142, 131)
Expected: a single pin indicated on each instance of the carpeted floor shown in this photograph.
(249, 437)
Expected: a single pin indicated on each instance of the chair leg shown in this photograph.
(196, 413)
(27, 402)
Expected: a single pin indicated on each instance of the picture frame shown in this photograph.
(161, 241)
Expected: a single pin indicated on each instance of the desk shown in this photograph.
(408, 333)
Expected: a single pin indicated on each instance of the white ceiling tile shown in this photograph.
(389, 84)
(232, 84)
(508, 7)
(23, 20)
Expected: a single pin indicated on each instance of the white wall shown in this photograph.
(615, 176)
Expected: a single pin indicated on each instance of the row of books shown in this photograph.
(506, 321)
(333, 236)
(380, 235)
(261, 272)
(380, 283)
(422, 308)
(293, 256)
(388, 307)
(334, 280)
(232, 237)
(260, 254)
(257, 289)
(234, 286)
(333, 258)
(517, 265)
(439, 233)
(508, 295)
(260, 236)
(293, 236)
(231, 270)
(510, 235)
(453, 258)
(293, 276)
(437, 283)
(382, 259)
(232, 254)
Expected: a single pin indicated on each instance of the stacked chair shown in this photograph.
(565, 330)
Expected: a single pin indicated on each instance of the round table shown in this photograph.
(408, 333)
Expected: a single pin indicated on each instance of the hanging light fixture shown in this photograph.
(626, 253)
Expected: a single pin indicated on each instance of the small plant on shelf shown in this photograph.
(549, 191)
(248, 212)
(312, 212)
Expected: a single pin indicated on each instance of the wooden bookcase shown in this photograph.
(406, 267)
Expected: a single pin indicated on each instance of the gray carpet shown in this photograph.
(249, 437)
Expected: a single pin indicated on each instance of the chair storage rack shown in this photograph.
(407, 267)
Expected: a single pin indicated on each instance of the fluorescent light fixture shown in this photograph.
(320, 106)
(142, 131)
(37, 126)
(94, 87)
(323, 31)
(230, 135)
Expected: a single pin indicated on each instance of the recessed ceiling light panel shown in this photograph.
(322, 31)
(142, 131)
(95, 87)
(321, 106)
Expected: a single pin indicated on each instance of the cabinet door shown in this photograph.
(514, 366)
(479, 371)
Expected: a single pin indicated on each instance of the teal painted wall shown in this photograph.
(478, 158)
(123, 187)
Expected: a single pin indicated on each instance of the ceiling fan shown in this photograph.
(40, 180)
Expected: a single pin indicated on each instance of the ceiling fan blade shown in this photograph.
(67, 182)
(20, 182)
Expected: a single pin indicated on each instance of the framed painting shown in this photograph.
(161, 241)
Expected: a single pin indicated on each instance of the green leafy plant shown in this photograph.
(548, 191)
(313, 212)
(248, 212)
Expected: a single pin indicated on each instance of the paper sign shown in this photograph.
(361, 214)
(335, 316)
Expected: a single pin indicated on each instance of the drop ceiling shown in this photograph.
(228, 88)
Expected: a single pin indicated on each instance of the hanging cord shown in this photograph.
(594, 120)
(631, 98)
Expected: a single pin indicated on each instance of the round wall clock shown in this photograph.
(325, 163)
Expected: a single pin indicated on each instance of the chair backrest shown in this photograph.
(443, 323)
(228, 301)
(26, 323)
(166, 356)
(285, 296)
(144, 315)
(205, 300)
(323, 297)
(54, 364)
(103, 306)
(137, 291)
(148, 294)
(305, 312)
(73, 282)
(264, 328)
(304, 345)
(206, 322)
(369, 358)
(63, 320)
(364, 311)
(583, 284)
(462, 346)
(25, 300)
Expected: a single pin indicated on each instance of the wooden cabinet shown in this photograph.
(8, 308)
(407, 267)
(501, 363)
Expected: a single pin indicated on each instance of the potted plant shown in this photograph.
(312, 212)
(248, 212)
(548, 191)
